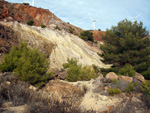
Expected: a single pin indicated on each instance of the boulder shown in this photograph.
(61, 90)
(139, 77)
(111, 76)
(126, 78)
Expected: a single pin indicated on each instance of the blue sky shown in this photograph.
(107, 12)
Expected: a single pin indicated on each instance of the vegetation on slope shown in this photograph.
(127, 43)
(78, 73)
(28, 64)
(87, 36)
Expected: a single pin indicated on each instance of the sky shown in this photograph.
(107, 12)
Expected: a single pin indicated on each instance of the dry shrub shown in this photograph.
(39, 101)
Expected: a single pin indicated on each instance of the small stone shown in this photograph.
(8, 83)
(32, 87)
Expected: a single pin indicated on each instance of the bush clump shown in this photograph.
(30, 22)
(77, 72)
(28, 64)
(71, 30)
(127, 70)
(87, 35)
(114, 91)
(43, 26)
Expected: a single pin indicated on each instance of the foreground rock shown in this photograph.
(86, 96)
(60, 91)
(139, 77)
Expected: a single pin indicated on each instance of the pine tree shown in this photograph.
(127, 43)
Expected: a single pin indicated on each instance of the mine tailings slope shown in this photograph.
(57, 45)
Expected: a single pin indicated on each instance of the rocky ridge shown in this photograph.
(24, 12)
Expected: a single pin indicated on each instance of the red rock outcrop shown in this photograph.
(24, 12)
(98, 35)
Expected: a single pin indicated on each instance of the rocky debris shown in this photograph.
(131, 104)
(86, 95)
(92, 100)
(59, 74)
(126, 78)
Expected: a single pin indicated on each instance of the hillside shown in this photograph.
(24, 12)
(58, 45)
(29, 84)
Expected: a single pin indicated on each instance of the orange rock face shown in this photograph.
(98, 35)
(24, 12)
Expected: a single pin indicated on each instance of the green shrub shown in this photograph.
(114, 91)
(28, 64)
(84, 38)
(70, 62)
(26, 3)
(57, 28)
(145, 87)
(71, 30)
(130, 88)
(86, 73)
(43, 26)
(76, 72)
(30, 22)
(87, 35)
(127, 70)
(73, 73)
(115, 81)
